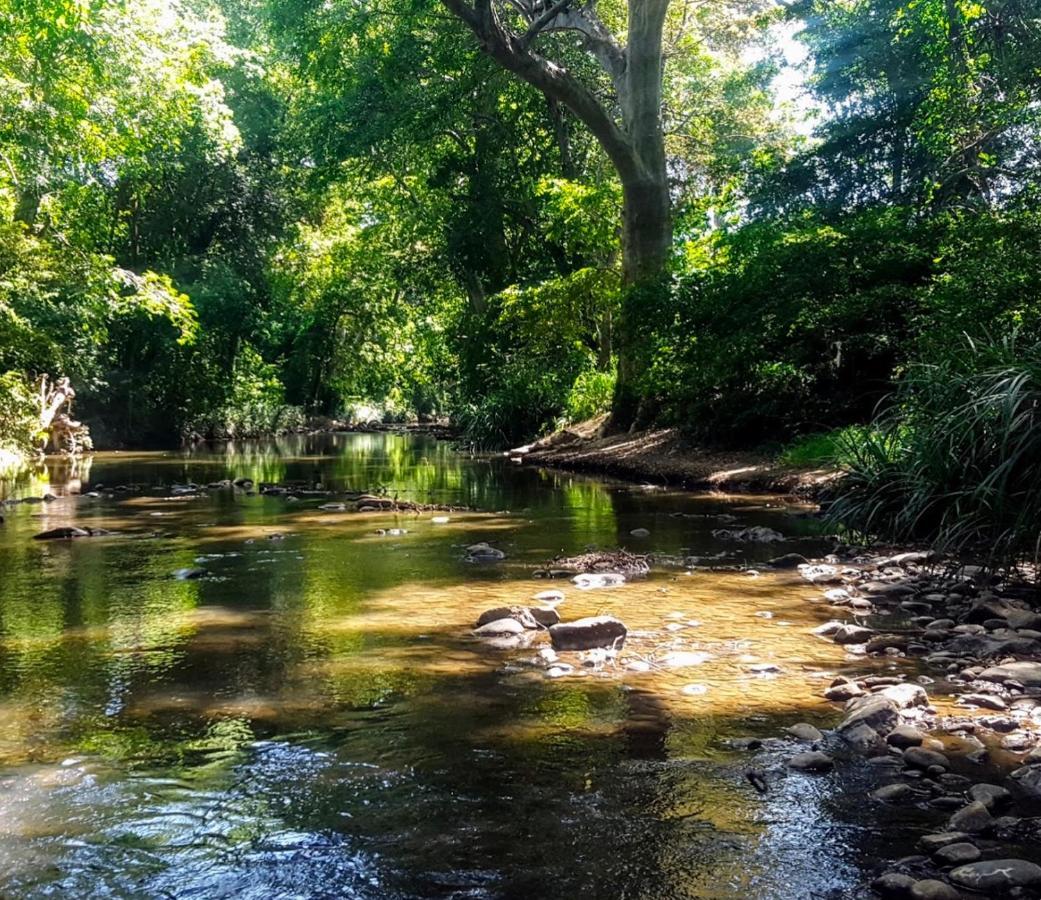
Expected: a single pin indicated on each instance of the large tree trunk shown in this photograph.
(635, 145)
(646, 238)
(647, 222)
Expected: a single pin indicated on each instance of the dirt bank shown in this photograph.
(664, 456)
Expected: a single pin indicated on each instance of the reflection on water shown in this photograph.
(311, 718)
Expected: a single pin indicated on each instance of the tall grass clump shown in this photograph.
(955, 460)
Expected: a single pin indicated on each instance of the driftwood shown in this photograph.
(621, 561)
(63, 433)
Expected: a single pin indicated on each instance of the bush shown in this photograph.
(830, 448)
(590, 395)
(20, 432)
(788, 328)
(956, 459)
(254, 407)
(523, 358)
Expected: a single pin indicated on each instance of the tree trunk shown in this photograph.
(646, 215)
(635, 145)
(646, 238)
(28, 206)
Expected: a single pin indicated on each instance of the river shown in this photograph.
(313, 718)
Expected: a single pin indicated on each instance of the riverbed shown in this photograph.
(311, 716)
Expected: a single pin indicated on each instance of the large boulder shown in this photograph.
(877, 712)
(589, 634)
(1026, 673)
(994, 877)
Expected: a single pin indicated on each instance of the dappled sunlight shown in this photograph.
(152, 677)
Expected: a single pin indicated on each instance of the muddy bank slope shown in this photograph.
(664, 456)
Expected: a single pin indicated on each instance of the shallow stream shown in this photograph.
(313, 718)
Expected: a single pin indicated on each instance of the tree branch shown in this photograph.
(542, 21)
(553, 80)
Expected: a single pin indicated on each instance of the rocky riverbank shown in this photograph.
(943, 710)
(664, 456)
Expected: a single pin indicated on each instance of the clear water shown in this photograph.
(314, 719)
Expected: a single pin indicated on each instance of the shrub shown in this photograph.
(20, 432)
(590, 395)
(255, 405)
(956, 458)
(829, 448)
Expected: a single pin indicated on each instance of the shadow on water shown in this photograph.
(312, 719)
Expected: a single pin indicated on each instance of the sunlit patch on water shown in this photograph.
(311, 716)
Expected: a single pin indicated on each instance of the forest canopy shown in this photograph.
(220, 218)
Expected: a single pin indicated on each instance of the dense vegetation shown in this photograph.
(220, 216)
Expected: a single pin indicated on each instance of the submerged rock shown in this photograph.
(893, 793)
(811, 761)
(592, 580)
(68, 533)
(588, 634)
(484, 552)
(681, 659)
(758, 534)
(851, 634)
(519, 613)
(788, 561)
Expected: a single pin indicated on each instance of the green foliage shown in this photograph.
(590, 395)
(786, 328)
(956, 460)
(254, 406)
(20, 413)
(829, 449)
(523, 356)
